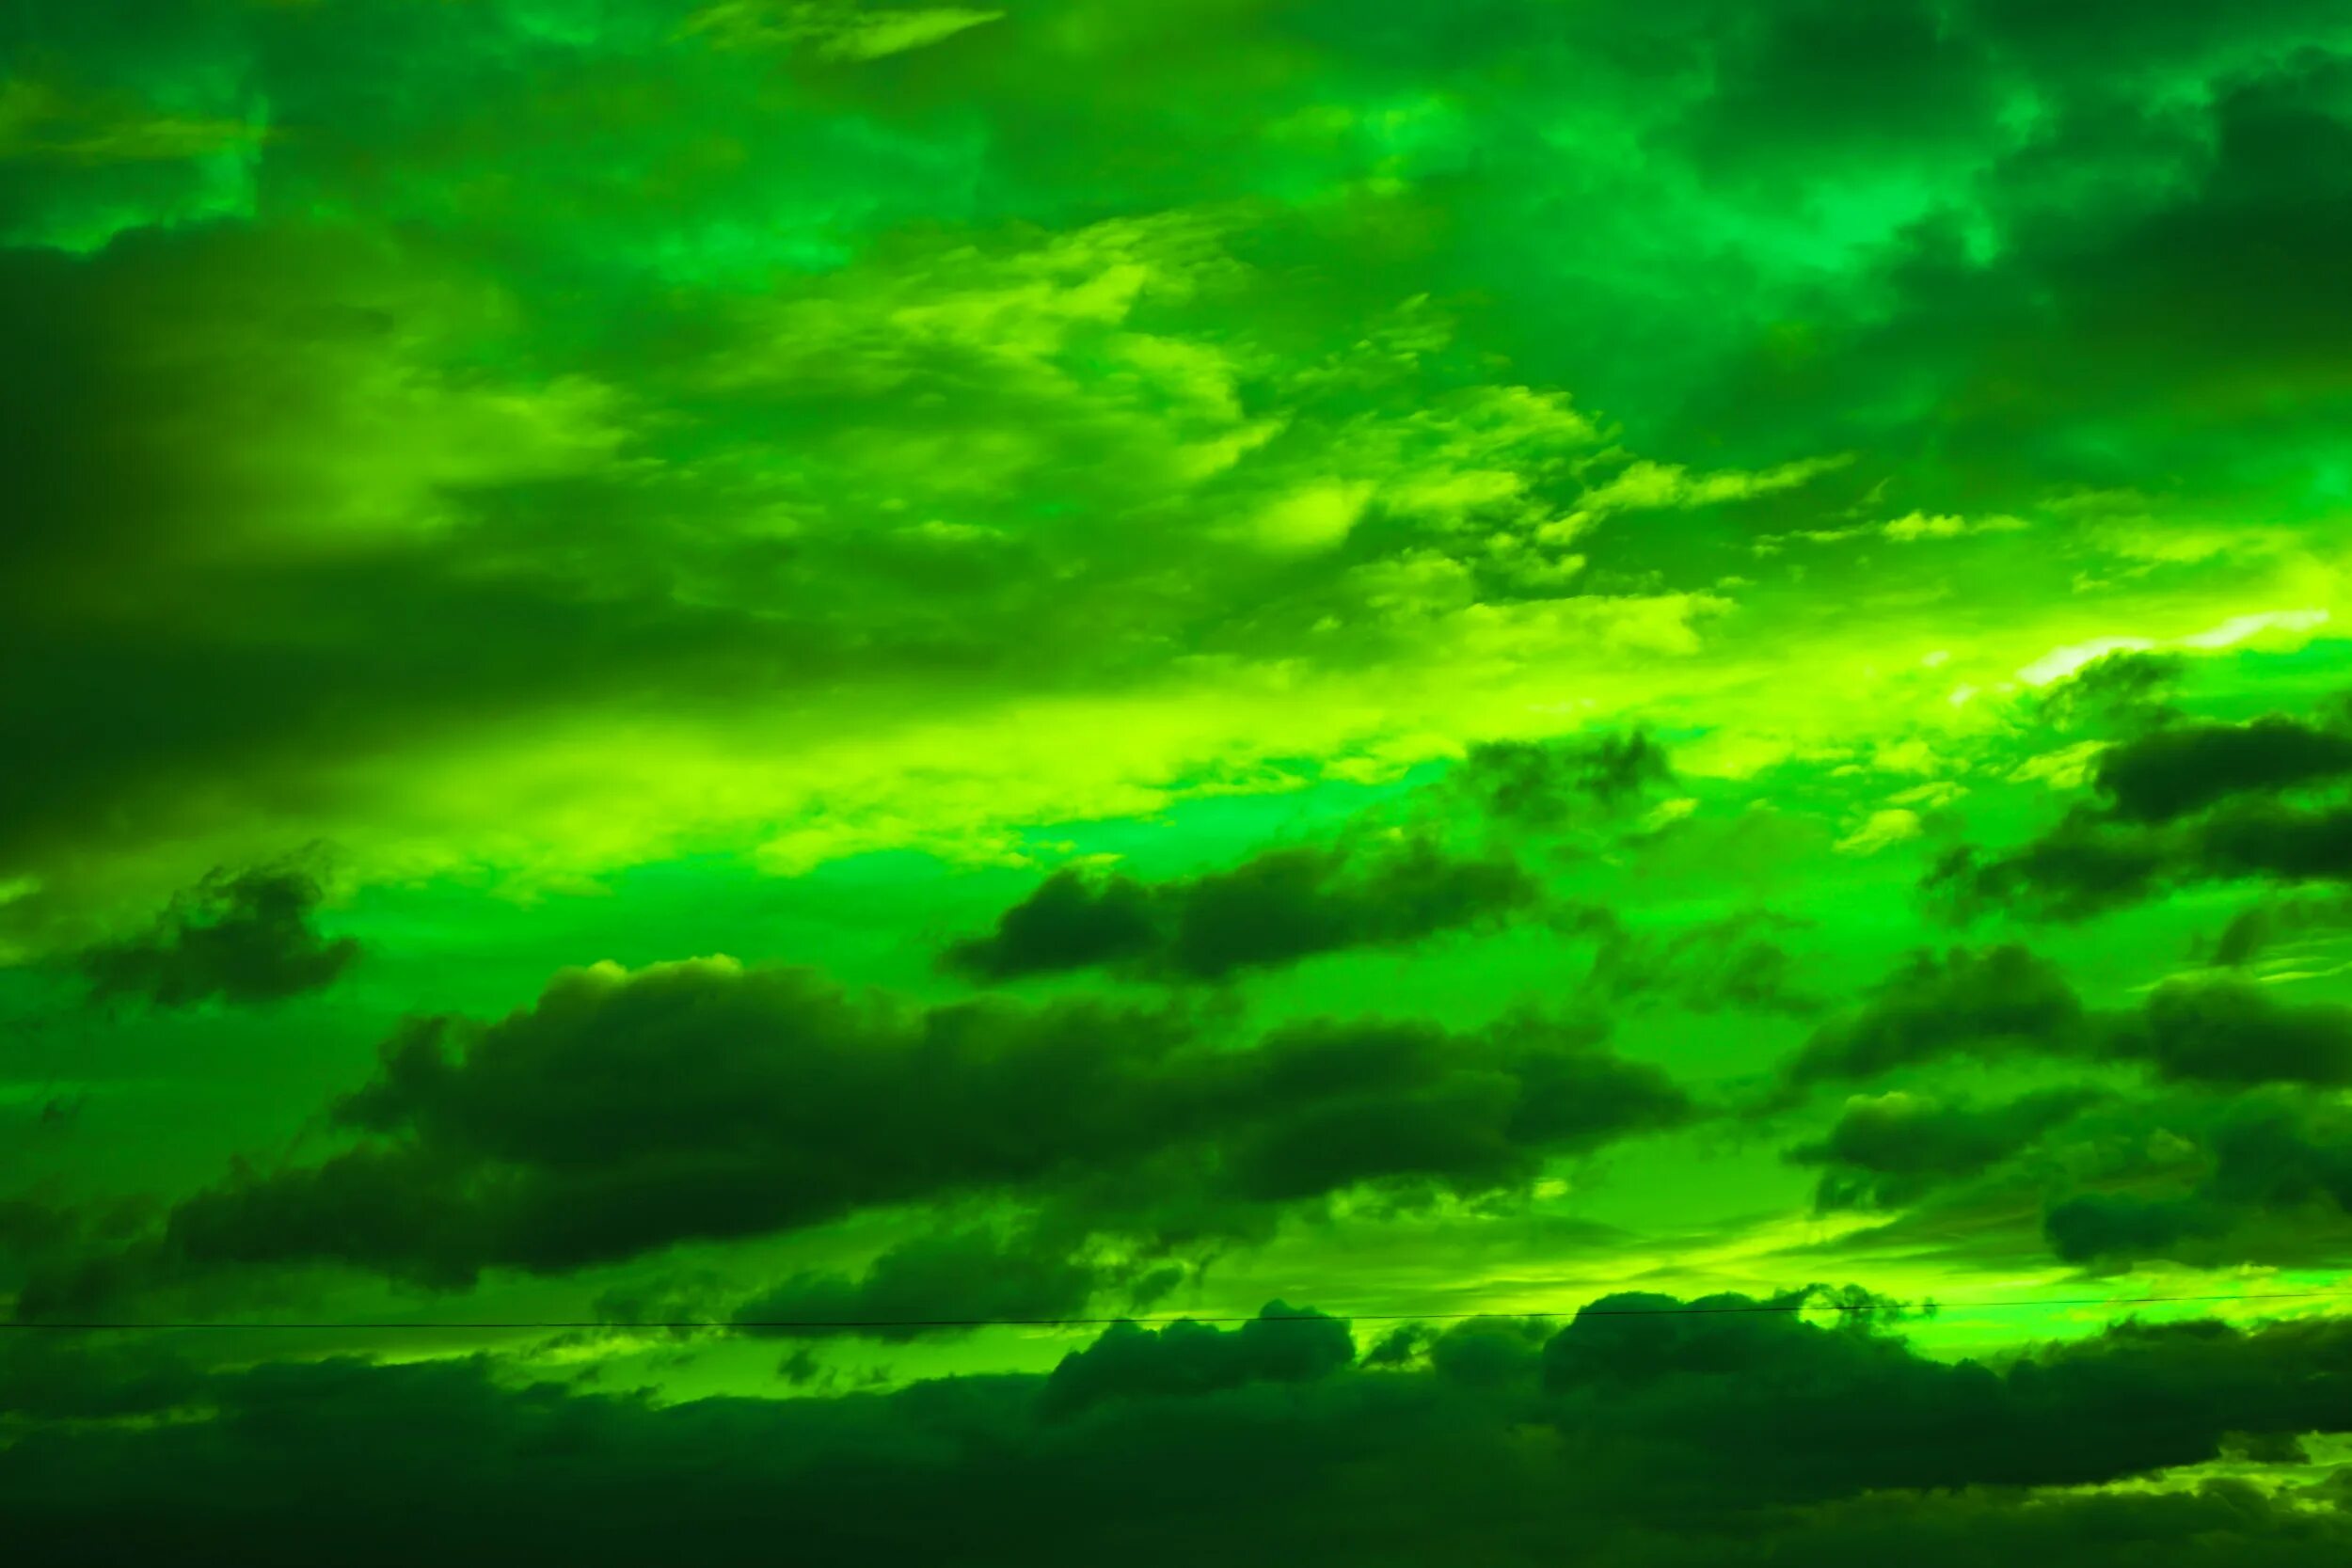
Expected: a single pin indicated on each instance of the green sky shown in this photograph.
(1367, 672)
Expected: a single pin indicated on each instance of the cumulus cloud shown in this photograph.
(1695, 1433)
(2007, 1001)
(624, 1112)
(2184, 803)
(1888, 1150)
(1275, 909)
(242, 938)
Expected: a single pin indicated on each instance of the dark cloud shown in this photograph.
(2089, 865)
(2115, 214)
(41, 1230)
(2235, 1154)
(1891, 1151)
(1542, 785)
(2177, 771)
(245, 937)
(1980, 1003)
(2008, 1000)
(2270, 839)
(1802, 1412)
(1913, 86)
(2277, 1181)
(934, 1284)
(1983, 293)
(2124, 691)
(624, 1111)
(2182, 803)
(2264, 927)
(1364, 1100)
(2214, 1525)
(2120, 1228)
(1075, 920)
(1709, 966)
(65, 1378)
(2081, 869)
(1278, 908)
(2132, 40)
(1282, 1345)
(2225, 1032)
(1490, 1351)
(2204, 1176)
(1713, 1435)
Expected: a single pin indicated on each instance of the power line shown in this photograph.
(846, 1324)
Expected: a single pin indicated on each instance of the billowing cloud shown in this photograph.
(1541, 784)
(1962, 1000)
(2277, 1180)
(242, 938)
(629, 1111)
(1888, 1150)
(2184, 803)
(2186, 768)
(2007, 1001)
(1275, 909)
(2225, 1032)
(1713, 1436)
(1190, 1359)
(934, 1284)
(1709, 966)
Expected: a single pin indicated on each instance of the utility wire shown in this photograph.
(848, 1325)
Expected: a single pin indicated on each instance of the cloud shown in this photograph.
(2233, 1150)
(2007, 1001)
(836, 31)
(934, 1284)
(1908, 528)
(1709, 966)
(2119, 689)
(1185, 1360)
(244, 937)
(2227, 1032)
(624, 1112)
(1543, 784)
(1278, 907)
(1891, 825)
(1708, 1436)
(1887, 1151)
(1644, 484)
(1977, 1002)
(1010, 444)
(1073, 919)
(2206, 1526)
(2183, 770)
(2265, 927)
(41, 123)
(1919, 524)
(2181, 802)
(930, 372)
(2278, 1183)
(1313, 519)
